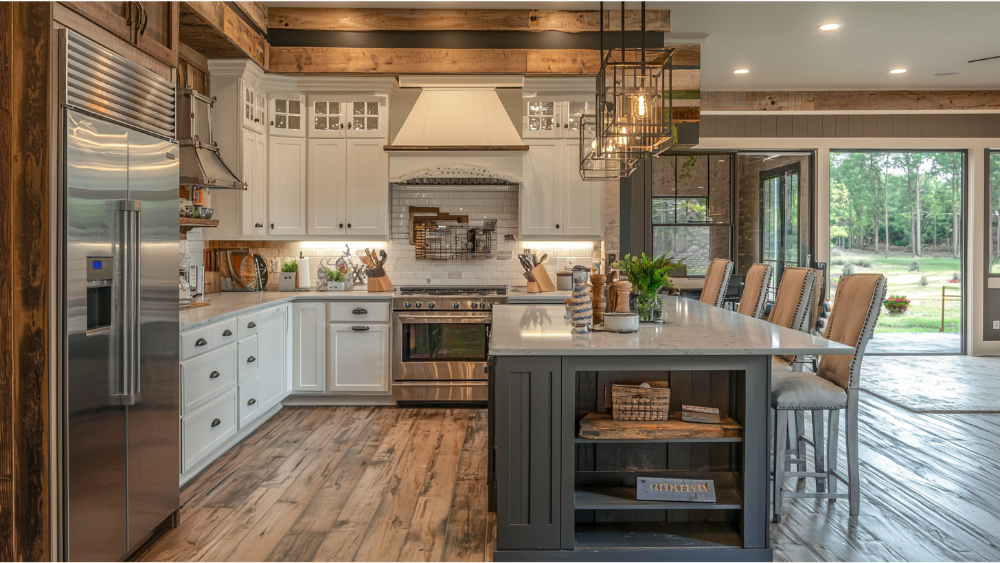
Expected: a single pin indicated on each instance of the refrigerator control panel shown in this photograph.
(100, 268)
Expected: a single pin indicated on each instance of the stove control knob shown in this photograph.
(454, 305)
(489, 305)
(430, 305)
(482, 305)
(475, 305)
(419, 304)
(407, 304)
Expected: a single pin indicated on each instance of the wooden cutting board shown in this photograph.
(600, 426)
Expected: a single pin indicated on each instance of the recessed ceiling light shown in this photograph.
(897, 71)
(741, 71)
(945, 74)
(830, 26)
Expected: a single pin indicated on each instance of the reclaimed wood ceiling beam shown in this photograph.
(852, 100)
(381, 19)
(545, 62)
(217, 32)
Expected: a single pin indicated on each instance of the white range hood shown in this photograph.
(457, 134)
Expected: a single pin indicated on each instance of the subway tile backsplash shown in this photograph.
(404, 268)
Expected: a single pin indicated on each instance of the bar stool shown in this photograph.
(755, 291)
(834, 387)
(791, 304)
(716, 281)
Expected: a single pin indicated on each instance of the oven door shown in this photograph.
(435, 346)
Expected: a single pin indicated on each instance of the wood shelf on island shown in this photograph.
(623, 498)
(596, 428)
(656, 535)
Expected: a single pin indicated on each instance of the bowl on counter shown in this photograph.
(621, 322)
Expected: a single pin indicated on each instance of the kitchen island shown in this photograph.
(562, 497)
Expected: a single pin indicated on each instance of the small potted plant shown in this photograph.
(896, 304)
(648, 276)
(289, 280)
(335, 280)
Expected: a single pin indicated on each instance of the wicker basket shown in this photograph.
(631, 401)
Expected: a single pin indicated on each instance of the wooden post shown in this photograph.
(943, 287)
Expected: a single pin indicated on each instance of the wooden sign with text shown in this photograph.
(679, 490)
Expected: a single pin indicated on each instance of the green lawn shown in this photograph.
(924, 314)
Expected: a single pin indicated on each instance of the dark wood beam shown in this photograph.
(380, 19)
(217, 32)
(852, 100)
(25, 246)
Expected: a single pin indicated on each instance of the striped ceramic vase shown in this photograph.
(581, 312)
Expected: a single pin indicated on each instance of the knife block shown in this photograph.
(381, 284)
(542, 278)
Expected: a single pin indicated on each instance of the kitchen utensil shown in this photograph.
(527, 276)
(261, 265)
(543, 259)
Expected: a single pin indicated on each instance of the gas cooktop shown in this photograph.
(449, 298)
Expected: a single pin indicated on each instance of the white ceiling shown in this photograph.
(782, 46)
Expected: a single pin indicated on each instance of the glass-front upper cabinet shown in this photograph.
(253, 104)
(287, 115)
(260, 112)
(337, 115)
(556, 118)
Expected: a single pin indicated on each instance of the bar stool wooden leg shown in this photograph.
(853, 464)
(819, 454)
(781, 424)
(831, 452)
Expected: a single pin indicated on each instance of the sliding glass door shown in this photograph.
(779, 217)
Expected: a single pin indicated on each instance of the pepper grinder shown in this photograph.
(599, 302)
(624, 288)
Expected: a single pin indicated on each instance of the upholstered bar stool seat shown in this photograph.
(716, 282)
(755, 291)
(799, 390)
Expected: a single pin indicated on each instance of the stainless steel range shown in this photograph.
(440, 343)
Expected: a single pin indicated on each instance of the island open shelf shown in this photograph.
(623, 498)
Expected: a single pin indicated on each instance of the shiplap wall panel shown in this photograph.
(945, 125)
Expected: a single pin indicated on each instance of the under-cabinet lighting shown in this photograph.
(741, 71)
(339, 244)
(897, 71)
(830, 26)
(557, 245)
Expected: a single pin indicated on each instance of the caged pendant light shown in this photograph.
(634, 103)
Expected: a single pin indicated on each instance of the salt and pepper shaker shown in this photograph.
(597, 282)
(624, 288)
(580, 306)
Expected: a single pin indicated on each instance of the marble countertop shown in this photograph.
(689, 328)
(229, 304)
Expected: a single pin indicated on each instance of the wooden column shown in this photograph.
(25, 31)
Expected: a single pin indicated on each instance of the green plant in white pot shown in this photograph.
(289, 279)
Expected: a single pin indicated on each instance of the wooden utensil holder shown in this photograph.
(542, 279)
(532, 287)
(381, 284)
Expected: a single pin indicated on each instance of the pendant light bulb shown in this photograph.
(641, 106)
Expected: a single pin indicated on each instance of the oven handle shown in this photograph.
(445, 319)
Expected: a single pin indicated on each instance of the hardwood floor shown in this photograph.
(387, 484)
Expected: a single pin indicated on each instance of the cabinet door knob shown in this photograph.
(214, 374)
(348, 225)
(557, 225)
(348, 125)
(341, 125)
(216, 422)
(256, 120)
(201, 342)
(251, 324)
(359, 328)
(272, 225)
(341, 225)
(251, 402)
(227, 332)
(360, 311)
(251, 360)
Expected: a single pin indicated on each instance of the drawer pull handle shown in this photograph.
(251, 360)
(216, 422)
(214, 374)
(227, 332)
(252, 325)
(251, 402)
(201, 342)
(360, 311)
(359, 328)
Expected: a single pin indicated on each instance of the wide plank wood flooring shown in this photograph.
(387, 484)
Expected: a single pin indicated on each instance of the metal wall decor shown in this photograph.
(634, 103)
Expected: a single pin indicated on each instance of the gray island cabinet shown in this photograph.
(561, 497)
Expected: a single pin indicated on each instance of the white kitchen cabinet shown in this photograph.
(556, 118)
(286, 193)
(366, 117)
(325, 190)
(253, 201)
(541, 193)
(555, 201)
(254, 106)
(367, 188)
(271, 357)
(309, 347)
(286, 114)
(358, 358)
(327, 116)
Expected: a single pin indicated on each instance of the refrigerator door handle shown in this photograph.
(130, 304)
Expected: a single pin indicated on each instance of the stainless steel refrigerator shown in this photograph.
(120, 280)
